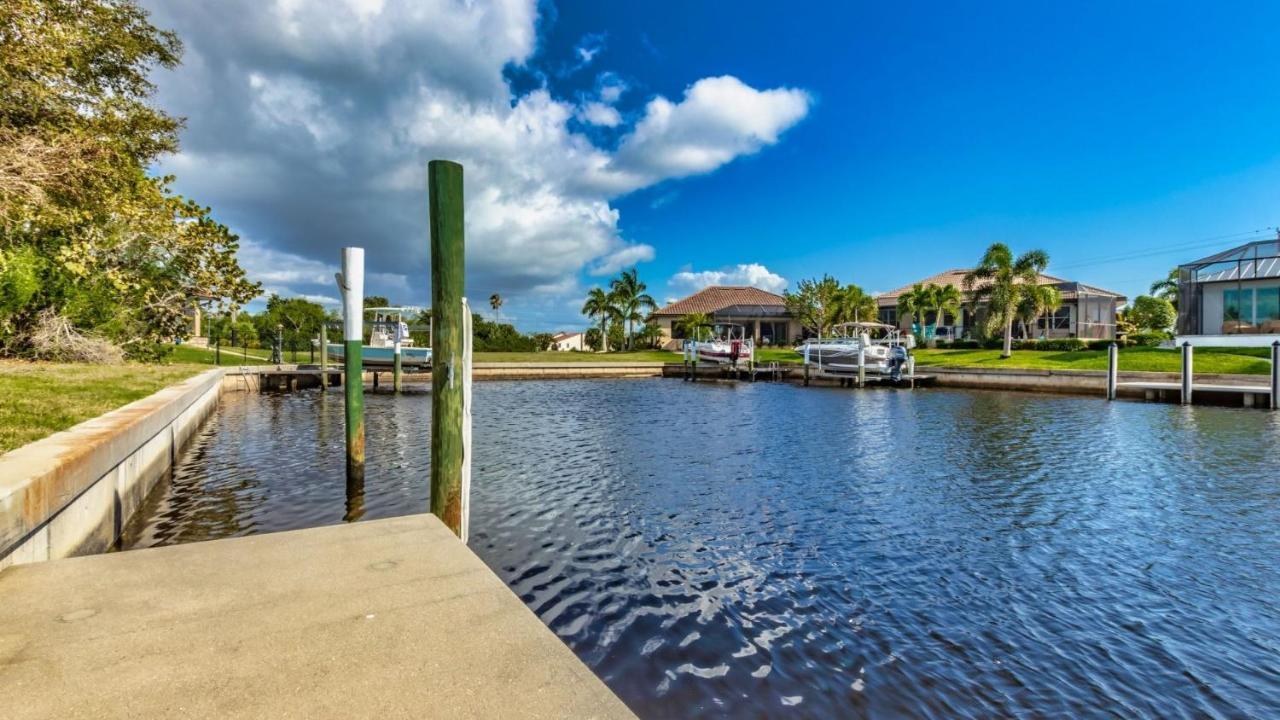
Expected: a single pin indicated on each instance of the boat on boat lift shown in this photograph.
(724, 344)
(386, 331)
(839, 353)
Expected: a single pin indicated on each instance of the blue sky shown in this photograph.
(879, 143)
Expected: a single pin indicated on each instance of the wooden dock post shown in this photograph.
(862, 366)
(1113, 370)
(1187, 373)
(806, 364)
(450, 372)
(324, 356)
(351, 286)
(1275, 375)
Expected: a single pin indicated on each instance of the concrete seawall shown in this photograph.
(1071, 382)
(72, 492)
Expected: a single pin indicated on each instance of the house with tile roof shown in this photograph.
(1087, 312)
(762, 313)
(1231, 298)
(564, 340)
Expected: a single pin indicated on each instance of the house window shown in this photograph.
(773, 333)
(1237, 311)
(889, 315)
(1267, 309)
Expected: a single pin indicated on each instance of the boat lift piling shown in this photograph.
(1113, 370)
(351, 287)
(396, 371)
(451, 356)
(1187, 373)
(1275, 375)
(324, 356)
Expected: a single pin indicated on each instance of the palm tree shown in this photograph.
(495, 302)
(852, 304)
(946, 300)
(600, 305)
(916, 303)
(1035, 302)
(1167, 288)
(694, 325)
(630, 300)
(999, 281)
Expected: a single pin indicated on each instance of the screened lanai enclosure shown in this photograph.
(1235, 292)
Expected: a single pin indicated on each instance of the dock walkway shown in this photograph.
(387, 618)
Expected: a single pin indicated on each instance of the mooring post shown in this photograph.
(1186, 372)
(862, 365)
(806, 364)
(1113, 370)
(694, 362)
(277, 347)
(351, 286)
(1275, 375)
(450, 372)
(395, 372)
(217, 350)
(324, 356)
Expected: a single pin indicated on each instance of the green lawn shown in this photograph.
(232, 357)
(1207, 360)
(38, 399)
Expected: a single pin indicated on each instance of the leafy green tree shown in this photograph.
(599, 307)
(1152, 314)
(495, 302)
(117, 253)
(629, 299)
(999, 281)
(300, 320)
(593, 339)
(852, 304)
(648, 336)
(1167, 289)
(814, 303)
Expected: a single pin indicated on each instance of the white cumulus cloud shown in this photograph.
(756, 275)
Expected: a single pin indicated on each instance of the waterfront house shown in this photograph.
(762, 313)
(1232, 298)
(568, 341)
(1087, 312)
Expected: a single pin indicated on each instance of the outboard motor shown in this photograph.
(897, 358)
(735, 351)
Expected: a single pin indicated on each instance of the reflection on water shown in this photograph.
(768, 550)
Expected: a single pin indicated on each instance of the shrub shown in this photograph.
(1052, 345)
(1148, 339)
(966, 345)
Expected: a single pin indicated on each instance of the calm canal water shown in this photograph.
(769, 550)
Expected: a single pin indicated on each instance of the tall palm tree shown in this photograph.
(630, 300)
(1167, 288)
(852, 304)
(694, 325)
(599, 306)
(943, 300)
(999, 281)
(1035, 302)
(916, 303)
(495, 302)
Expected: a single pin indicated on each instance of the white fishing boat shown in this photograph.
(839, 352)
(386, 331)
(722, 344)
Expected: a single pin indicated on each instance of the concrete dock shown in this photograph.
(388, 618)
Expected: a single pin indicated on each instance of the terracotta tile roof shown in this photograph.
(563, 336)
(719, 297)
(956, 277)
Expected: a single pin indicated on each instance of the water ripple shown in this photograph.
(768, 550)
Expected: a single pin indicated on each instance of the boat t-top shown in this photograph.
(839, 353)
(721, 344)
(388, 335)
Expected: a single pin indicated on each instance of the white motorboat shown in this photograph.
(388, 336)
(724, 344)
(840, 352)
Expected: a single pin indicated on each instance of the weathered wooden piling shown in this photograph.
(351, 284)
(1113, 370)
(1187, 373)
(324, 356)
(450, 372)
